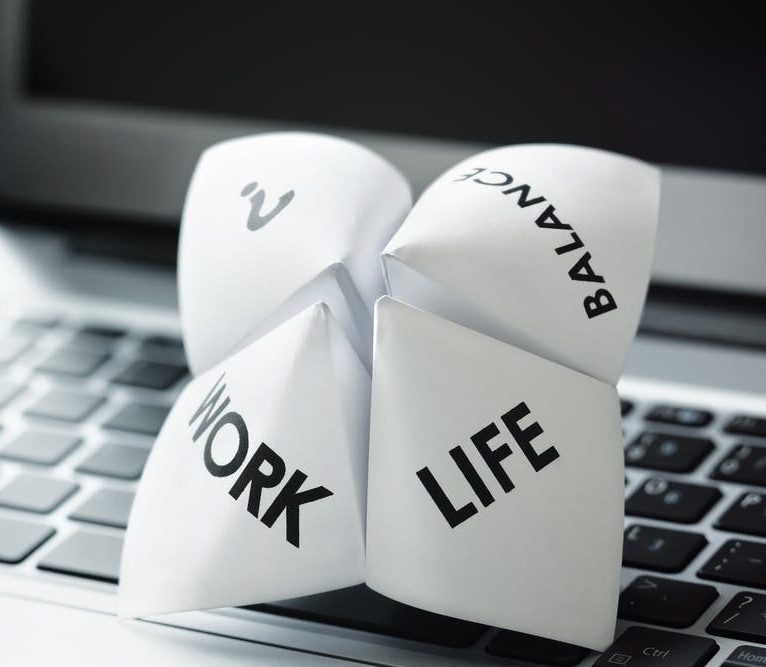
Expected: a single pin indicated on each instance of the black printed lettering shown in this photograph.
(525, 436)
(601, 302)
(471, 475)
(505, 179)
(207, 406)
(288, 501)
(583, 271)
(548, 220)
(523, 201)
(475, 172)
(493, 457)
(574, 245)
(453, 516)
(223, 470)
(252, 475)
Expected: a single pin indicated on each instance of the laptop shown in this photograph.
(104, 109)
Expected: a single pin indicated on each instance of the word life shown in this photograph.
(493, 457)
(213, 416)
(598, 303)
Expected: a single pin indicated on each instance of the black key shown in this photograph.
(743, 618)
(18, 539)
(96, 337)
(673, 414)
(746, 656)
(8, 391)
(659, 498)
(67, 406)
(36, 494)
(139, 418)
(11, 348)
(108, 507)
(660, 549)
(122, 461)
(647, 647)
(744, 464)
(40, 447)
(71, 361)
(86, 554)
(150, 375)
(667, 452)
(625, 407)
(360, 608)
(677, 604)
(169, 342)
(746, 515)
(737, 562)
(529, 648)
(744, 425)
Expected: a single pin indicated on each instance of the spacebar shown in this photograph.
(360, 608)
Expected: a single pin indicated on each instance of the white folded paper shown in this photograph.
(275, 222)
(496, 467)
(256, 486)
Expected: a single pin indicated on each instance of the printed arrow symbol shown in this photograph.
(646, 583)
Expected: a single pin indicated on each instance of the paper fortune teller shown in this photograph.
(496, 467)
(256, 486)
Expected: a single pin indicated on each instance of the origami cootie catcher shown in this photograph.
(494, 491)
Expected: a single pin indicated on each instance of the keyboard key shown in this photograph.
(8, 391)
(529, 648)
(169, 342)
(673, 414)
(32, 493)
(746, 515)
(647, 647)
(18, 539)
(360, 608)
(96, 337)
(122, 461)
(108, 507)
(659, 498)
(746, 656)
(626, 407)
(660, 549)
(737, 562)
(86, 554)
(150, 375)
(743, 618)
(744, 425)
(67, 406)
(667, 452)
(677, 604)
(139, 418)
(744, 464)
(40, 447)
(71, 361)
(11, 348)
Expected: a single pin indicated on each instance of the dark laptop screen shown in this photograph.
(662, 82)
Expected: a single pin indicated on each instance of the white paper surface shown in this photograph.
(278, 272)
(542, 558)
(302, 391)
(496, 464)
(470, 253)
(235, 283)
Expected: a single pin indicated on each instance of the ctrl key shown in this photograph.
(646, 647)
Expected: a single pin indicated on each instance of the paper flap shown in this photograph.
(291, 406)
(529, 539)
(552, 244)
(263, 217)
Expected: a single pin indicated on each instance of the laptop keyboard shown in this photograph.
(80, 404)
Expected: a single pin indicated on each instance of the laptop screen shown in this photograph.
(625, 79)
